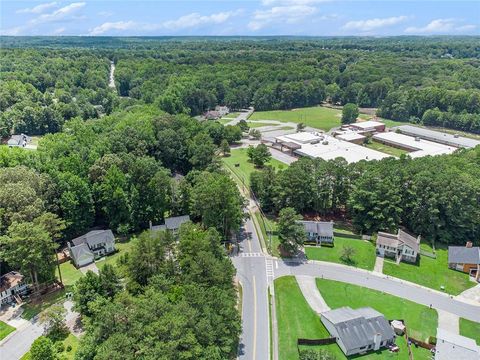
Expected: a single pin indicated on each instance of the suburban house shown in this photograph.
(400, 246)
(12, 288)
(94, 244)
(465, 259)
(171, 224)
(222, 110)
(318, 231)
(358, 331)
(453, 346)
(18, 140)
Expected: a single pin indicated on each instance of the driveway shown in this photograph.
(92, 267)
(378, 264)
(310, 292)
(448, 321)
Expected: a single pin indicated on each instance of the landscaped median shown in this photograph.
(5, 330)
(470, 329)
(296, 319)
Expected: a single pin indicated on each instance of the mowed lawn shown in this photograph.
(390, 150)
(421, 321)
(71, 340)
(245, 168)
(316, 117)
(271, 226)
(432, 273)
(364, 256)
(295, 319)
(470, 329)
(257, 124)
(5, 329)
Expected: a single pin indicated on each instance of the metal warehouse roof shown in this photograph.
(433, 135)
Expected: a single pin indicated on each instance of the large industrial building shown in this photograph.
(316, 145)
(416, 146)
(438, 137)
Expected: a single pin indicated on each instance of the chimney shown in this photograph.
(377, 340)
(469, 244)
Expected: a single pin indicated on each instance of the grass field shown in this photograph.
(364, 252)
(317, 117)
(239, 156)
(295, 319)
(432, 273)
(224, 121)
(421, 321)
(5, 329)
(390, 150)
(257, 124)
(470, 329)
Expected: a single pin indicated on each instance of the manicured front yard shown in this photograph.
(390, 150)
(257, 124)
(71, 340)
(421, 321)
(245, 168)
(317, 116)
(295, 319)
(70, 274)
(432, 273)
(470, 329)
(364, 256)
(5, 329)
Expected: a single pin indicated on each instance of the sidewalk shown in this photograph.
(309, 289)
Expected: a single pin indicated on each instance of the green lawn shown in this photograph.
(224, 121)
(32, 309)
(390, 150)
(421, 321)
(470, 329)
(257, 124)
(432, 273)
(364, 252)
(272, 226)
(295, 319)
(5, 329)
(71, 340)
(317, 116)
(70, 274)
(239, 156)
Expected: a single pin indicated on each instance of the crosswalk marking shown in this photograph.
(269, 269)
(251, 254)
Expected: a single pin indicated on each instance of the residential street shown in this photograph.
(16, 345)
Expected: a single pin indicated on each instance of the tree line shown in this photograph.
(436, 197)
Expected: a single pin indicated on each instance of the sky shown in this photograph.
(251, 17)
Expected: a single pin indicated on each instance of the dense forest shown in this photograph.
(50, 80)
(436, 197)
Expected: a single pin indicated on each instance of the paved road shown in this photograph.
(393, 286)
(252, 274)
(15, 346)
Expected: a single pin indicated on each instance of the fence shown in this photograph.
(421, 343)
(325, 341)
(428, 254)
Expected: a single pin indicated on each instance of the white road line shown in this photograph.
(250, 254)
(269, 269)
(254, 318)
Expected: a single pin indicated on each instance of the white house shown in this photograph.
(400, 246)
(12, 287)
(94, 244)
(318, 231)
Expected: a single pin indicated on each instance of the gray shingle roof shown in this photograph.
(401, 237)
(357, 328)
(322, 228)
(174, 223)
(410, 240)
(463, 255)
(95, 237)
(78, 250)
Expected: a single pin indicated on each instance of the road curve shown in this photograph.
(387, 284)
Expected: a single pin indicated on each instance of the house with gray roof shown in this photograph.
(453, 346)
(358, 331)
(318, 231)
(401, 246)
(18, 140)
(171, 224)
(94, 244)
(465, 259)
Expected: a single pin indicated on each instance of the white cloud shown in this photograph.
(373, 24)
(37, 9)
(59, 14)
(195, 19)
(59, 31)
(440, 26)
(108, 26)
(280, 14)
(183, 22)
